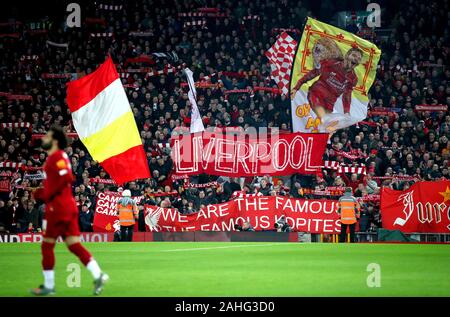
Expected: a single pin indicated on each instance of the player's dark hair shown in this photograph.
(59, 135)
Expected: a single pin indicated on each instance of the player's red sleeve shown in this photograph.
(49, 192)
(347, 95)
(346, 100)
(308, 76)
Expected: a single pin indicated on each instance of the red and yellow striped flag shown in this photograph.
(104, 122)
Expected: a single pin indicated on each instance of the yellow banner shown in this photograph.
(332, 74)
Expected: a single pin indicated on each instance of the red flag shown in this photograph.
(424, 207)
(105, 124)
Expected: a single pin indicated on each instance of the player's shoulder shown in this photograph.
(61, 159)
(63, 154)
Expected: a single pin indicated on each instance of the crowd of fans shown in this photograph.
(413, 70)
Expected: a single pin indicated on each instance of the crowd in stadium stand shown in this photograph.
(413, 70)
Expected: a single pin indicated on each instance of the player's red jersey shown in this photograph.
(332, 83)
(57, 191)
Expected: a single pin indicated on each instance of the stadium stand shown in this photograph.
(398, 143)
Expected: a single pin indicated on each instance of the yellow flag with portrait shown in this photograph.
(332, 73)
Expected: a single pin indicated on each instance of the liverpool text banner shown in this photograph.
(247, 154)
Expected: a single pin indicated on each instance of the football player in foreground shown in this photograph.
(61, 213)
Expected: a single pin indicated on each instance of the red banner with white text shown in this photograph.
(247, 154)
(314, 216)
(105, 218)
(424, 207)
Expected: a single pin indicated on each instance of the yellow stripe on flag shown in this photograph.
(119, 136)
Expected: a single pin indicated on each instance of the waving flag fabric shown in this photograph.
(281, 56)
(104, 121)
(331, 76)
(196, 118)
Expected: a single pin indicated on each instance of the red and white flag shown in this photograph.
(281, 57)
(105, 124)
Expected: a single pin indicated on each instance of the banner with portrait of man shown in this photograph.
(332, 73)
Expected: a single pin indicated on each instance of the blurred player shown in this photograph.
(61, 214)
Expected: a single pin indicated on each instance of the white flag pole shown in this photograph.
(196, 119)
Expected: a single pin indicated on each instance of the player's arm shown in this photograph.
(347, 96)
(308, 76)
(346, 100)
(56, 181)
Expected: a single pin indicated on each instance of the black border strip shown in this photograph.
(219, 305)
